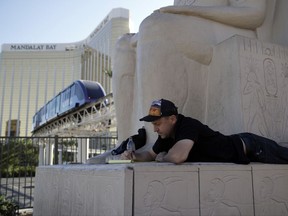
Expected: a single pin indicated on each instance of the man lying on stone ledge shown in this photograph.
(184, 139)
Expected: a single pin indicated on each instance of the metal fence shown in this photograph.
(19, 157)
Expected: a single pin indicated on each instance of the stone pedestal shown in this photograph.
(162, 189)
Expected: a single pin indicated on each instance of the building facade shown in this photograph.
(32, 74)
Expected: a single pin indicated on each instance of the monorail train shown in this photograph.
(77, 94)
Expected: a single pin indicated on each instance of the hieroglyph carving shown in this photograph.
(264, 77)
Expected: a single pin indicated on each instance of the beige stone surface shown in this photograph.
(83, 190)
(226, 190)
(270, 190)
(166, 189)
(247, 90)
(162, 189)
(280, 25)
(125, 85)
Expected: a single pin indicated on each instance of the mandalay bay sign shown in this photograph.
(40, 47)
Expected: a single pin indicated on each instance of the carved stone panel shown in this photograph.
(226, 190)
(166, 190)
(264, 86)
(270, 189)
(248, 88)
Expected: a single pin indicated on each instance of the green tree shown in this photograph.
(18, 157)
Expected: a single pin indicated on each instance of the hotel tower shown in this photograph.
(32, 74)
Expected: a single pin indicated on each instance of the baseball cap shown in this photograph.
(160, 108)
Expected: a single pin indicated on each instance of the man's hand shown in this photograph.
(128, 155)
(160, 157)
(139, 156)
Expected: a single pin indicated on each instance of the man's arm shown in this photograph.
(178, 153)
(139, 156)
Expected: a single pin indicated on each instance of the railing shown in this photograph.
(19, 157)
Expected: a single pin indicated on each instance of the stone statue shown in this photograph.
(170, 55)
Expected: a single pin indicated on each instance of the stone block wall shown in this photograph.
(162, 189)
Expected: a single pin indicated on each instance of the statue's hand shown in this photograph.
(173, 9)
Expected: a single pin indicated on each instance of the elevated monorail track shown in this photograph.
(93, 119)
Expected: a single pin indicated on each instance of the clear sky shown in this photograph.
(64, 21)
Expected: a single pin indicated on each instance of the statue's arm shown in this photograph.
(249, 14)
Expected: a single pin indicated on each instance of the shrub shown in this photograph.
(8, 208)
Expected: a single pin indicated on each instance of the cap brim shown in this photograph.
(149, 118)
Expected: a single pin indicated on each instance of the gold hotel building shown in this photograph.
(32, 74)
